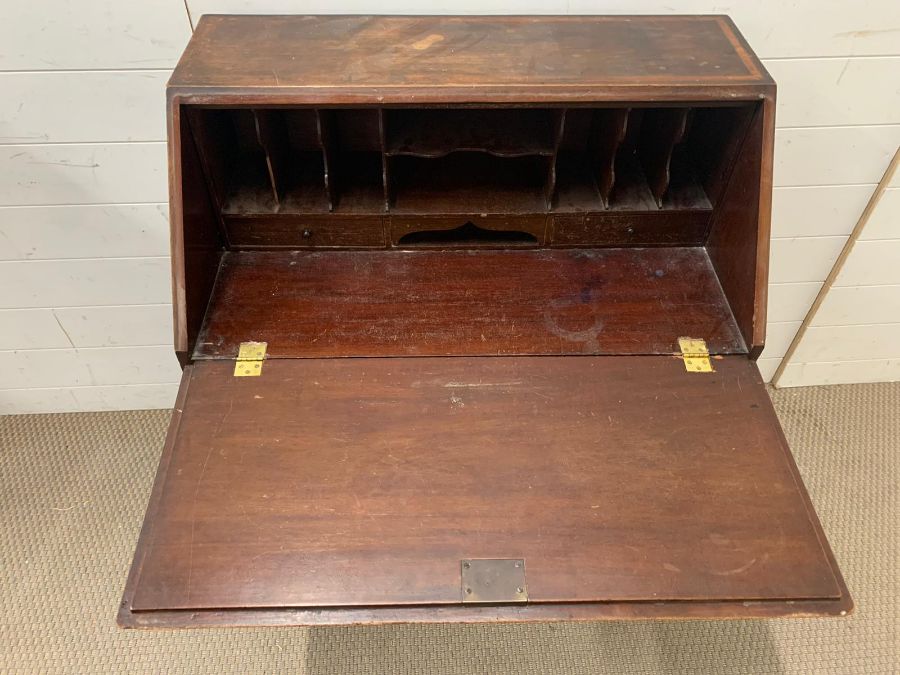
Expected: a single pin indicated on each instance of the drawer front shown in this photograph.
(325, 231)
(685, 228)
(468, 230)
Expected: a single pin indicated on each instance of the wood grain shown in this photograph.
(365, 482)
(660, 228)
(376, 60)
(471, 302)
(196, 241)
(576, 611)
(310, 231)
(738, 242)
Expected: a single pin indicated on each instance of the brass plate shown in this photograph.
(493, 580)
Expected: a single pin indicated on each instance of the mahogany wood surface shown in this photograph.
(468, 230)
(536, 209)
(575, 611)
(311, 231)
(607, 133)
(196, 239)
(470, 302)
(398, 64)
(505, 132)
(389, 59)
(737, 248)
(667, 127)
(366, 481)
(662, 228)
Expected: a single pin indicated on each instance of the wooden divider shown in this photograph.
(550, 190)
(300, 161)
(382, 140)
(662, 129)
(607, 133)
(326, 142)
(271, 134)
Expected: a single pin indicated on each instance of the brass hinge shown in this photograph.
(695, 355)
(250, 359)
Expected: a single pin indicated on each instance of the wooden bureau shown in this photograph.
(434, 280)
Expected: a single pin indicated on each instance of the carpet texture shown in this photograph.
(73, 489)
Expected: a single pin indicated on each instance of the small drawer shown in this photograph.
(286, 231)
(673, 228)
(467, 231)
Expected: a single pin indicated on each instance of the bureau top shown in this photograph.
(373, 60)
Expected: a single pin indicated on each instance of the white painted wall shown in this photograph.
(84, 313)
(855, 335)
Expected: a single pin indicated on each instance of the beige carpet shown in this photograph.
(72, 495)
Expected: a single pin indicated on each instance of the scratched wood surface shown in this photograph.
(366, 481)
(473, 302)
(380, 58)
